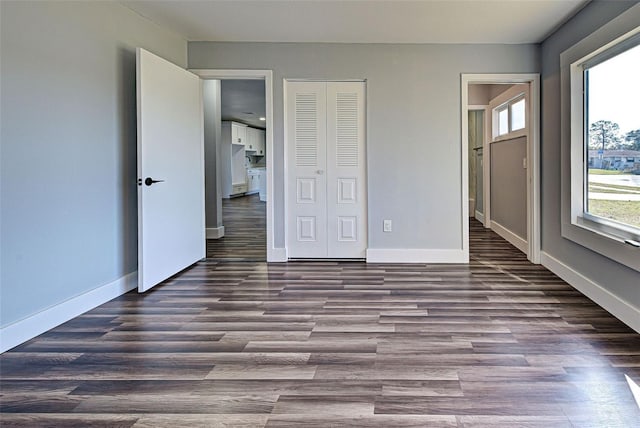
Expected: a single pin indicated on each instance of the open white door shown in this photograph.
(171, 226)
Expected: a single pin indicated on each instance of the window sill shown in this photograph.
(604, 237)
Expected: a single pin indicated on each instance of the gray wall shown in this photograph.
(413, 123)
(618, 279)
(509, 185)
(212, 136)
(68, 167)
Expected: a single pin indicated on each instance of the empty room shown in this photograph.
(320, 213)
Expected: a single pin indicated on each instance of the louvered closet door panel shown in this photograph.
(346, 170)
(306, 163)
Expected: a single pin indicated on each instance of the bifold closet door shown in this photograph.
(326, 170)
(346, 172)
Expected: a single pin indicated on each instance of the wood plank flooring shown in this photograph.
(245, 224)
(499, 342)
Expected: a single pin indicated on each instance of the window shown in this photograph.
(601, 125)
(510, 116)
(503, 121)
(611, 92)
(517, 115)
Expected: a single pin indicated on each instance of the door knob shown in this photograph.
(149, 181)
(319, 172)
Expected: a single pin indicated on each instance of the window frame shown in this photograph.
(607, 237)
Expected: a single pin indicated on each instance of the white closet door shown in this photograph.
(346, 172)
(306, 163)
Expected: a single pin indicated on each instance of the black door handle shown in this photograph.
(149, 181)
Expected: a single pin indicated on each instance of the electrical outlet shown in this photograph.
(386, 225)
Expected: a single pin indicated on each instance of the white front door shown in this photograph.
(327, 175)
(171, 227)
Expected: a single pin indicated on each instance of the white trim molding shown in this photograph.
(624, 311)
(215, 232)
(279, 255)
(416, 255)
(21, 331)
(515, 240)
(267, 76)
(480, 217)
(533, 156)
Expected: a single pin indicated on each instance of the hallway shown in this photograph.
(245, 234)
(498, 342)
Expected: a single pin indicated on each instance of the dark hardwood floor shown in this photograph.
(498, 342)
(245, 224)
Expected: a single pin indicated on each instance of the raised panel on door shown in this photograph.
(346, 170)
(306, 163)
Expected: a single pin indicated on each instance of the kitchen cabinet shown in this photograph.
(255, 142)
(238, 133)
(263, 185)
(233, 156)
(253, 181)
(260, 136)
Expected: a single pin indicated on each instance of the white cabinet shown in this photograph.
(238, 133)
(261, 149)
(253, 181)
(263, 185)
(255, 142)
(232, 162)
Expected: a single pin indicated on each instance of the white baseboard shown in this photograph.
(624, 311)
(480, 216)
(515, 240)
(277, 255)
(215, 232)
(417, 255)
(19, 332)
(472, 206)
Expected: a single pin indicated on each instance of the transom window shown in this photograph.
(510, 117)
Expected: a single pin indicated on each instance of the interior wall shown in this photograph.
(68, 131)
(617, 279)
(478, 94)
(509, 185)
(212, 98)
(413, 124)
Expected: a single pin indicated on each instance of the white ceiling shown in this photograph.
(243, 101)
(360, 21)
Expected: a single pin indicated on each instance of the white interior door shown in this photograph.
(326, 163)
(346, 171)
(307, 207)
(171, 227)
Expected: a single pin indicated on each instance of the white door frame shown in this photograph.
(533, 155)
(267, 76)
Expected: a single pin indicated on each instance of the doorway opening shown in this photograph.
(242, 171)
(500, 158)
(238, 158)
